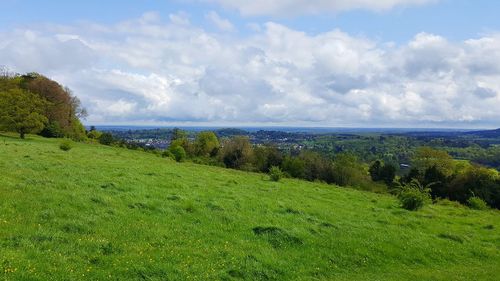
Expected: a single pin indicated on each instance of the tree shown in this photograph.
(206, 143)
(178, 152)
(106, 139)
(476, 181)
(294, 167)
(65, 109)
(426, 157)
(316, 166)
(267, 156)
(22, 112)
(237, 153)
(387, 173)
(52, 130)
(374, 170)
(438, 180)
(347, 170)
(178, 134)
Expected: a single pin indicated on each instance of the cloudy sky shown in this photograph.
(354, 63)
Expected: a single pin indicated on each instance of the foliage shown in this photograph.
(66, 145)
(413, 196)
(347, 170)
(439, 181)
(482, 182)
(294, 167)
(275, 173)
(379, 172)
(178, 152)
(94, 134)
(427, 157)
(374, 170)
(266, 156)
(47, 107)
(167, 154)
(316, 167)
(52, 130)
(206, 143)
(65, 108)
(477, 203)
(237, 153)
(178, 134)
(22, 112)
(187, 145)
(106, 139)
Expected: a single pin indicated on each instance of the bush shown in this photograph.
(52, 130)
(477, 203)
(413, 196)
(167, 154)
(275, 173)
(66, 145)
(106, 139)
(413, 199)
(178, 152)
(237, 153)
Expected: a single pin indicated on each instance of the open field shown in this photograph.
(103, 213)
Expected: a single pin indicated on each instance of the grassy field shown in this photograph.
(103, 213)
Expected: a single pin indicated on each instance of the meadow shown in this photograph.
(103, 213)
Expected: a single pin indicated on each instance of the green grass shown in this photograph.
(103, 213)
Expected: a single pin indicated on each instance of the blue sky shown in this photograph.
(454, 19)
(328, 63)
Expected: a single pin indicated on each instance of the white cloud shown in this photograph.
(220, 23)
(180, 18)
(147, 70)
(300, 7)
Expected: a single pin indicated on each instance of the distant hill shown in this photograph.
(105, 213)
(486, 133)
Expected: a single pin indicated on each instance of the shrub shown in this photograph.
(413, 196)
(275, 173)
(52, 130)
(106, 139)
(237, 153)
(178, 152)
(294, 166)
(477, 203)
(66, 145)
(413, 199)
(167, 154)
(346, 170)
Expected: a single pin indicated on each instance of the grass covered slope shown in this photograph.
(100, 213)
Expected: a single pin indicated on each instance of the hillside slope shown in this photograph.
(106, 213)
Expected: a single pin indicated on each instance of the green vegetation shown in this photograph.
(105, 213)
(66, 145)
(275, 173)
(477, 203)
(446, 177)
(413, 196)
(32, 103)
(22, 112)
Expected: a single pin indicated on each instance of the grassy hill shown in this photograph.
(103, 213)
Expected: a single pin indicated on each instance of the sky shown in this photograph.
(333, 63)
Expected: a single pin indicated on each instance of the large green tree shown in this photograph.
(237, 153)
(22, 112)
(427, 157)
(206, 143)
